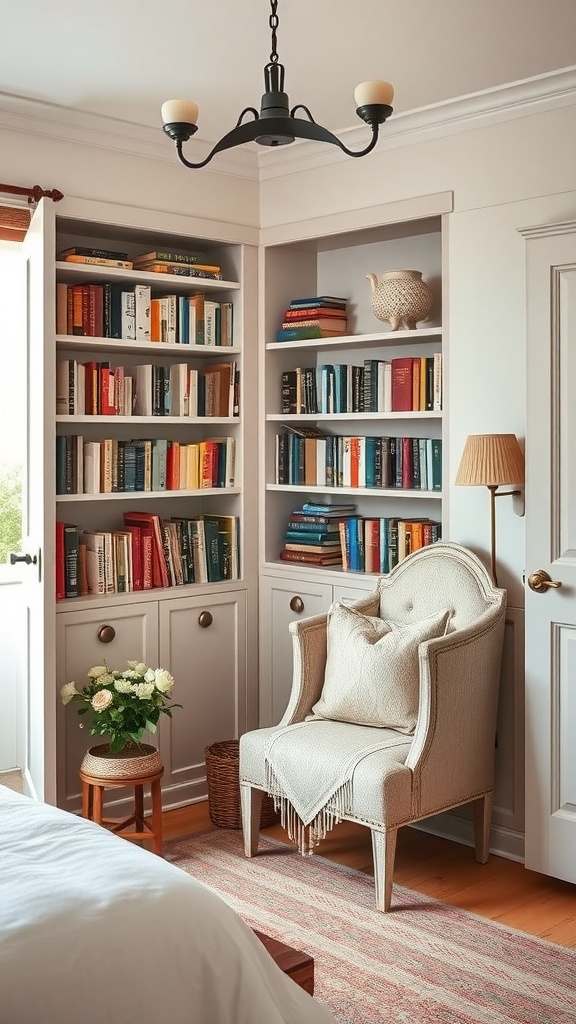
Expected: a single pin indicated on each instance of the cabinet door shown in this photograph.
(345, 594)
(203, 645)
(282, 601)
(98, 637)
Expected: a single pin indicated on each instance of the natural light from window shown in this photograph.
(12, 406)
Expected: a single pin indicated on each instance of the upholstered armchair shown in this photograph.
(415, 761)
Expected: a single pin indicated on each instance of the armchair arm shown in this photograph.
(452, 753)
(309, 661)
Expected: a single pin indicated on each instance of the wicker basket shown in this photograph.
(222, 761)
(132, 762)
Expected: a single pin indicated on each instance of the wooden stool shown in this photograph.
(92, 798)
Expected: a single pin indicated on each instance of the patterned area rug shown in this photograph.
(423, 963)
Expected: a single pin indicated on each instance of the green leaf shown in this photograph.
(151, 726)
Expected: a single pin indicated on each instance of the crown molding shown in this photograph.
(491, 106)
(68, 125)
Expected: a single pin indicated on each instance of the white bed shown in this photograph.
(94, 930)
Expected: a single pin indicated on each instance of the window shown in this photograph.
(12, 399)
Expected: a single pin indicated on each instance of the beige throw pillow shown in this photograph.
(372, 670)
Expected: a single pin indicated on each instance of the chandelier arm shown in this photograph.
(247, 132)
(248, 110)
(301, 106)
(367, 149)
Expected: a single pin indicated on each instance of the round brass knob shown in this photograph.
(297, 604)
(540, 581)
(205, 619)
(106, 634)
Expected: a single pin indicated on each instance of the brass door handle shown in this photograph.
(106, 634)
(540, 581)
(297, 604)
(205, 619)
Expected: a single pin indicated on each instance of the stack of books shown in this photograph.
(313, 534)
(320, 316)
(183, 264)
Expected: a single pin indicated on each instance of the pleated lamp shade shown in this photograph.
(492, 460)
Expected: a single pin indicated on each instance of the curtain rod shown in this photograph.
(35, 194)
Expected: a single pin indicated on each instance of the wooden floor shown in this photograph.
(501, 889)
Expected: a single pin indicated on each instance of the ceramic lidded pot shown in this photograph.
(401, 297)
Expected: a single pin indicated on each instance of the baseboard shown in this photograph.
(503, 841)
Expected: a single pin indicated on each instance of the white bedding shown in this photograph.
(94, 930)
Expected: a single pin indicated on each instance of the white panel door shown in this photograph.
(38, 532)
(551, 547)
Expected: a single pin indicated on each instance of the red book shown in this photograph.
(95, 310)
(60, 574)
(107, 404)
(313, 314)
(402, 384)
(159, 570)
(147, 558)
(91, 388)
(173, 466)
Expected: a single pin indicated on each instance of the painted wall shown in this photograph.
(504, 176)
(93, 172)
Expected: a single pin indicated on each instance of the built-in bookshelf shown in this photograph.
(386, 460)
(332, 441)
(161, 459)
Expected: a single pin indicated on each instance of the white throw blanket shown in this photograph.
(311, 780)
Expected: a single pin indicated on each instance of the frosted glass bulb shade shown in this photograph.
(179, 111)
(374, 92)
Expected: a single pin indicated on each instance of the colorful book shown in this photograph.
(83, 250)
(307, 333)
(327, 323)
(332, 312)
(99, 261)
(319, 300)
(169, 256)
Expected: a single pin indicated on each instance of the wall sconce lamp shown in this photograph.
(493, 460)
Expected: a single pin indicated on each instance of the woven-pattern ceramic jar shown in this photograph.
(401, 297)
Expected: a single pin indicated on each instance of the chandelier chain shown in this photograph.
(274, 21)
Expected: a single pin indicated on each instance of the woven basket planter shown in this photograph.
(132, 762)
(222, 767)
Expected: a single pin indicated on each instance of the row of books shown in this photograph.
(98, 389)
(333, 460)
(148, 552)
(108, 466)
(412, 384)
(113, 310)
(317, 316)
(190, 264)
(378, 544)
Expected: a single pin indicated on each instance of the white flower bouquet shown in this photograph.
(123, 704)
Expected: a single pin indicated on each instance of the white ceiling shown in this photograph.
(122, 58)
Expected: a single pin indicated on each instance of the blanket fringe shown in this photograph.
(307, 837)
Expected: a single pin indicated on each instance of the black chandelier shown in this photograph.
(276, 124)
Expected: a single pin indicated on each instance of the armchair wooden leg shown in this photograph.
(383, 853)
(251, 803)
(482, 816)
